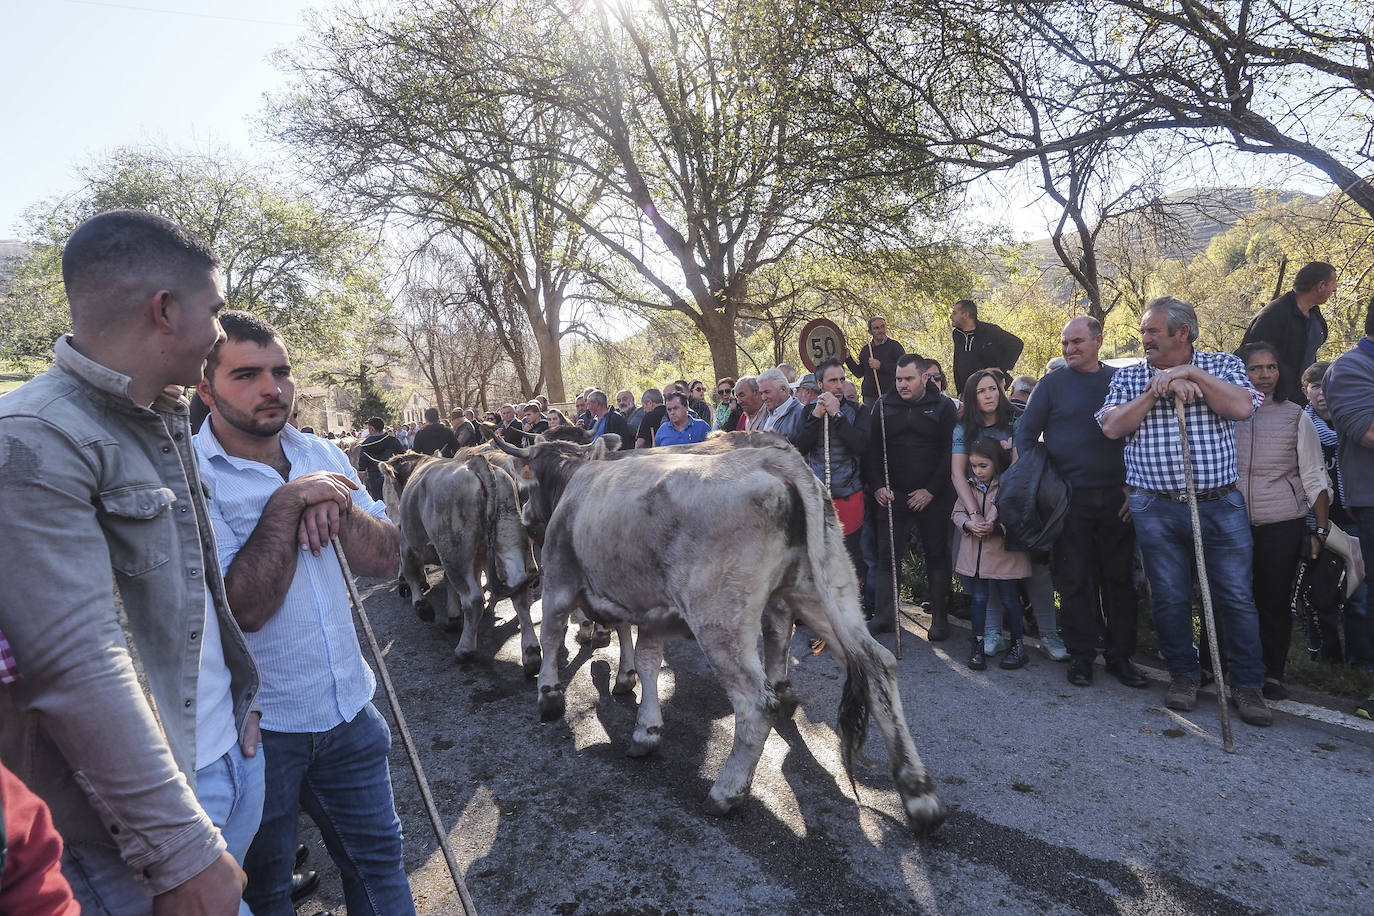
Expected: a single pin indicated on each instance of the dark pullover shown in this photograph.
(1062, 407)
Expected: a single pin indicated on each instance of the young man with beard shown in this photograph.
(916, 429)
(279, 496)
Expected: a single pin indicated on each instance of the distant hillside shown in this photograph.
(1190, 220)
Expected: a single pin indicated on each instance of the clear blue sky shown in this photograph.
(83, 77)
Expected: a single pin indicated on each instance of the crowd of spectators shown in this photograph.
(1267, 456)
(240, 620)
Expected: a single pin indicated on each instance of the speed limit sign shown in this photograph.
(820, 340)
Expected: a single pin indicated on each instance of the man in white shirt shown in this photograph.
(279, 497)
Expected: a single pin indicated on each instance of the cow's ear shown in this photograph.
(601, 447)
(612, 441)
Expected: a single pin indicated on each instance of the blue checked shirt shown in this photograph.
(1154, 452)
(313, 673)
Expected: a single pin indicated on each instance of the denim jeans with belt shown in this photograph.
(341, 778)
(1164, 531)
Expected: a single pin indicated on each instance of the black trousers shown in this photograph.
(1277, 550)
(1092, 563)
(932, 524)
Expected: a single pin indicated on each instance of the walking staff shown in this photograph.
(1208, 618)
(468, 907)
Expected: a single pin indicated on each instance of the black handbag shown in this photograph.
(1321, 582)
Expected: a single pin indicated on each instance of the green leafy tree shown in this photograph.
(693, 134)
(307, 271)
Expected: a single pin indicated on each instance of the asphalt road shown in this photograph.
(1062, 799)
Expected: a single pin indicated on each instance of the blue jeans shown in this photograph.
(231, 792)
(978, 612)
(1360, 613)
(1164, 531)
(341, 779)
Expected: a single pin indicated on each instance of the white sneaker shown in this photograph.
(992, 642)
(1054, 647)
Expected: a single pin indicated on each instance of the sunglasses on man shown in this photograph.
(725, 392)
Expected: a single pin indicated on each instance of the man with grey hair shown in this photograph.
(654, 412)
(784, 413)
(1021, 388)
(750, 411)
(606, 420)
(1140, 408)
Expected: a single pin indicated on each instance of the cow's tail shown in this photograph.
(870, 685)
(840, 622)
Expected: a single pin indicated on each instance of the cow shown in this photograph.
(750, 496)
(463, 514)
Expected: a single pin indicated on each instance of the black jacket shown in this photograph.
(849, 436)
(1032, 501)
(1282, 325)
(615, 423)
(435, 437)
(886, 353)
(919, 439)
(984, 347)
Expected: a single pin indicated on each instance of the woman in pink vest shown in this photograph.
(1283, 478)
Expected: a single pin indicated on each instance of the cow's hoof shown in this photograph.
(464, 656)
(532, 662)
(626, 686)
(424, 610)
(601, 638)
(643, 747)
(403, 589)
(720, 806)
(584, 634)
(551, 704)
(453, 625)
(926, 813)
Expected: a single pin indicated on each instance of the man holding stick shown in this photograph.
(1140, 408)
(279, 496)
(916, 428)
(876, 366)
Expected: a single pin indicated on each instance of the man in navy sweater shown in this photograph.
(1096, 547)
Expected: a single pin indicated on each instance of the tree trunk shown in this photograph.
(718, 327)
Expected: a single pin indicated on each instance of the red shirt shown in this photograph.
(32, 884)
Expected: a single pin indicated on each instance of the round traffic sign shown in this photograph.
(820, 340)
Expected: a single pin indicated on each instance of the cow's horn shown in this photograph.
(509, 449)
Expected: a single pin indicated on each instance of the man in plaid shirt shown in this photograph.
(1140, 408)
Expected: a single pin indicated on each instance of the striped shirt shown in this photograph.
(9, 668)
(313, 673)
(1154, 452)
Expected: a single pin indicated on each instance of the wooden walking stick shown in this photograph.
(468, 907)
(887, 485)
(1207, 617)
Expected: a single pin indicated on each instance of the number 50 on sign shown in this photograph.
(820, 340)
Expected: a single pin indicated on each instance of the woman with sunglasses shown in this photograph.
(725, 401)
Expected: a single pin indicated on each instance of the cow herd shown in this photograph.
(587, 512)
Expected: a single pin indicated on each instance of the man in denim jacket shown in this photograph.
(135, 684)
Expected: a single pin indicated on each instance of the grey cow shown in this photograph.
(463, 514)
(747, 495)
